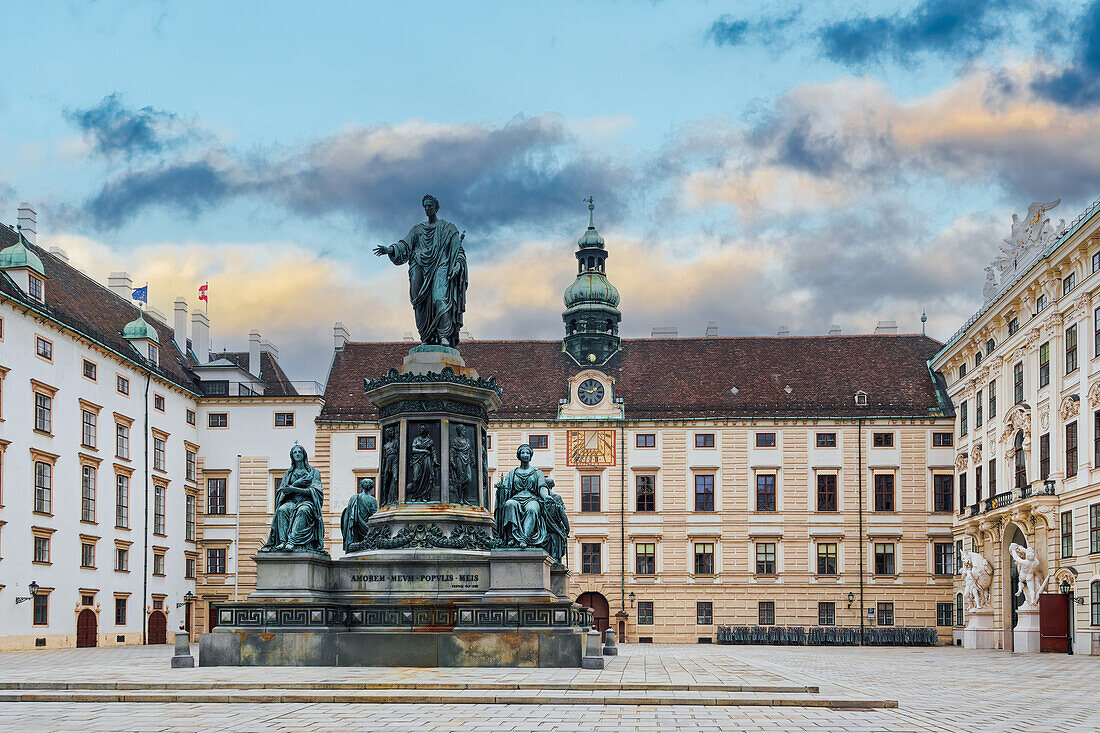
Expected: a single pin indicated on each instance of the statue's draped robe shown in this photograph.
(437, 279)
(389, 474)
(422, 466)
(462, 472)
(519, 508)
(297, 521)
(353, 521)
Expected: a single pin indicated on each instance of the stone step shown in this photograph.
(446, 697)
(401, 685)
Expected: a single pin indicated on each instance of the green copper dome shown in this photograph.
(591, 287)
(139, 328)
(18, 255)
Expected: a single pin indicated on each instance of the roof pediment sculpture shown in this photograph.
(1030, 235)
(1017, 419)
(977, 580)
(1070, 408)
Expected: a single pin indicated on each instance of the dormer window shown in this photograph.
(36, 288)
(861, 398)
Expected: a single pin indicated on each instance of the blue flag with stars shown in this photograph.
(141, 294)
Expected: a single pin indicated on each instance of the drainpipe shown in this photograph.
(622, 516)
(145, 549)
(237, 538)
(859, 475)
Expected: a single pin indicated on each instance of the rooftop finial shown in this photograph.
(591, 208)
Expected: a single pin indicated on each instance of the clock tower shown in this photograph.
(591, 313)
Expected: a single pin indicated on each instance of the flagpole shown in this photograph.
(206, 298)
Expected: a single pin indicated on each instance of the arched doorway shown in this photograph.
(158, 628)
(601, 612)
(87, 628)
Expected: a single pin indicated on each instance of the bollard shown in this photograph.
(609, 648)
(592, 659)
(182, 657)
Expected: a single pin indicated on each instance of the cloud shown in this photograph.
(116, 129)
(524, 173)
(949, 27)
(1078, 84)
(732, 31)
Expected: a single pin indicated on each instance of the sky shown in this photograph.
(758, 164)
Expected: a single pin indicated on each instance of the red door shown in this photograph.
(158, 628)
(601, 612)
(1053, 623)
(86, 628)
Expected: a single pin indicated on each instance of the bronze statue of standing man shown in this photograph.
(437, 275)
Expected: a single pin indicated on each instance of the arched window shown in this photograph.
(1021, 461)
(990, 345)
(1095, 598)
(958, 609)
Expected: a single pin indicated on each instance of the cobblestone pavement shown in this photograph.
(940, 689)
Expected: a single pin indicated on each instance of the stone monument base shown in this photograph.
(406, 608)
(979, 633)
(1025, 635)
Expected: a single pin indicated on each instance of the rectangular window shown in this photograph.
(765, 492)
(886, 614)
(884, 492)
(89, 369)
(826, 613)
(122, 559)
(158, 510)
(590, 493)
(158, 563)
(645, 558)
(992, 476)
(882, 440)
(1044, 454)
(1069, 282)
(189, 526)
(704, 613)
(962, 370)
(1071, 348)
(43, 487)
(43, 348)
(943, 554)
(1071, 449)
(591, 562)
(1067, 534)
(41, 602)
(765, 440)
(1094, 528)
(943, 492)
(284, 419)
(977, 483)
(1044, 364)
(538, 442)
(215, 560)
(992, 400)
(87, 432)
(158, 402)
(765, 558)
(120, 612)
(190, 417)
(215, 495)
(645, 613)
(765, 613)
(704, 492)
(884, 558)
(122, 501)
(1096, 332)
(826, 440)
(826, 492)
(1013, 325)
(945, 613)
(1095, 602)
(158, 453)
(704, 440)
(978, 409)
(189, 568)
(1041, 303)
(826, 558)
(42, 549)
(1018, 383)
(122, 441)
(87, 493)
(217, 420)
(122, 385)
(962, 491)
(964, 427)
(646, 493)
(704, 558)
(43, 412)
(366, 442)
(942, 440)
(645, 440)
(190, 463)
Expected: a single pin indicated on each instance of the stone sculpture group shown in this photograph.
(977, 579)
(297, 525)
(1032, 583)
(528, 513)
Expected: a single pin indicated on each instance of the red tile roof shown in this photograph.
(684, 377)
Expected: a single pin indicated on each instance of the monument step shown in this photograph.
(452, 697)
(594, 686)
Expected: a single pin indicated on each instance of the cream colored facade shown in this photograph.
(1044, 368)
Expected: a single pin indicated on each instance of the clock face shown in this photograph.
(590, 392)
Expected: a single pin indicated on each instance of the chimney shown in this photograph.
(200, 336)
(664, 332)
(886, 327)
(121, 285)
(254, 352)
(340, 336)
(783, 331)
(834, 330)
(712, 328)
(59, 253)
(28, 222)
(156, 313)
(179, 311)
(270, 348)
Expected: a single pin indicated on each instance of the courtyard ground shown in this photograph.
(645, 688)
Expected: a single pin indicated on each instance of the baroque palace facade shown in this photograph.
(1024, 376)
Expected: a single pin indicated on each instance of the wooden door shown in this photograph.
(87, 628)
(601, 612)
(1053, 623)
(158, 628)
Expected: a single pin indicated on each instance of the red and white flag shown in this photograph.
(202, 292)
